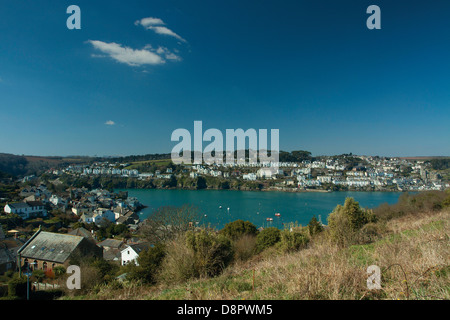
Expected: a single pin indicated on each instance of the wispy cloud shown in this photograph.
(165, 52)
(156, 25)
(129, 56)
(110, 123)
(139, 57)
(146, 22)
(166, 31)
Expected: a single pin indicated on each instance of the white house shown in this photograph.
(26, 209)
(249, 176)
(106, 213)
(57, 201)
(266, 173)
(131, 253)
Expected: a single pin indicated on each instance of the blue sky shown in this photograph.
(138, 70)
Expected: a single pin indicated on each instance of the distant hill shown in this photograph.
(19, 166)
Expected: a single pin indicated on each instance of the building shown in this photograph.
(26, 210)
(131, 253)
(112, 249)
(46, 250)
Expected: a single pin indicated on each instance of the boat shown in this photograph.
(220, 207)
(269, 219)
(278, 214)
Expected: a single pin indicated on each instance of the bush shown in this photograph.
(368, 233)
(346, 220)
(314, 226)
(179, 263)
(38, 275)
(238, 228)
(149, 262)
(412, 204)
(293, 240)
(17, 287)
(212, 252)
(245, 247)
(267, 238)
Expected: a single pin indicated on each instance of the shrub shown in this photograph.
(179, 263)
(346, 220)
(267, 238)
(368, 233)
(212, 252)
(38, 275)
(17, 287)
(314, 226)
(245, 247)
(59, 271)
(238, 228)
(412, 204)
(293, 240)
(149, 262)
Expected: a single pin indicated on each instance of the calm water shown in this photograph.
(256, 206)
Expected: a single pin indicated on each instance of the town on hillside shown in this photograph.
(45, 229)
(333, 173)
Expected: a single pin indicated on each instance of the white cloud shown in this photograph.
(166, 31)
(155, 24)
(132, 57)
(110, 123)
(168, 54)
(146, 22)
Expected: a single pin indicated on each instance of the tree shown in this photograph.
(267, 238)
(293, 240)
(346, 220)
(314, 226)
(212, 252)
(238, 228)
(167, 222)
(149, 261)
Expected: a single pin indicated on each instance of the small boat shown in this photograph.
(269, 219)
(228, 209)
(220, 207)
(278, 214)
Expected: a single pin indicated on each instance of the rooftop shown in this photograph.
(50, 246)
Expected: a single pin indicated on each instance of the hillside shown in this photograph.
(412, 251)
(19, 166)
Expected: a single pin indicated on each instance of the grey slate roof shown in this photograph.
(19, 205)
(51, 246)
(111, 243)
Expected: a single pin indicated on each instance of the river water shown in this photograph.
(219, 207)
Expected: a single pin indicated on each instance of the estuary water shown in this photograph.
(219, 207)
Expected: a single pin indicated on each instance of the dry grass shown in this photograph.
(413, 255)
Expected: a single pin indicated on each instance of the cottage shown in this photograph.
(131, 253)
(46, 250)
(27, 210)
(112, 249)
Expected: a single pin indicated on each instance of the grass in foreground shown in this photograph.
(413, 254)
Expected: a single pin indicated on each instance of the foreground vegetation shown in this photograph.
(408, 241)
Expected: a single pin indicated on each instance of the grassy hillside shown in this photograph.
(412, 251)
